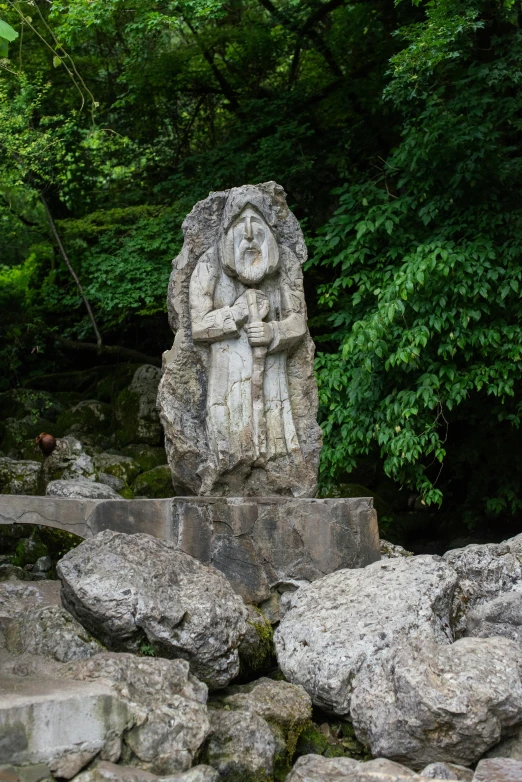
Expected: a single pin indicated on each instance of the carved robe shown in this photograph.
(231, 433)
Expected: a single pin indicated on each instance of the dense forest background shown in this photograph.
(395, 129)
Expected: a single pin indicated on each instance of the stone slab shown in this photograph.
(61, 723)
(257, 542)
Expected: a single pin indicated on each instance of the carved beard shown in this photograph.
(251, 262)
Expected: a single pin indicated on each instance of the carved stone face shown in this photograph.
(250, 248)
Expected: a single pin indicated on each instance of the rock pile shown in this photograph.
(127, 671)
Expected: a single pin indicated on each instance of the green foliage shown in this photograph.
(425, 303)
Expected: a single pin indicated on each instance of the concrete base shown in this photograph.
(257, 542)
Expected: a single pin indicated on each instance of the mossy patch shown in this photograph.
(89, 416)
(147, 456)
(256, 652)
(154, 483)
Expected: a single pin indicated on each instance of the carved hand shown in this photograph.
(240, 308)
(259, 333)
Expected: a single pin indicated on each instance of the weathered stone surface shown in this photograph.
(122, 587)
(110, 772)
(80, 488)
(439, 702)
(266, 546)
(116, 484)
(68, 461)
(63, 724)
(135, 409)
(508, 748)
(347, 618)
(167, 703)
(50, 630)
(485, 572)
(316, 768)
(241, 746)
(498, 770)
(87, 416)
(393, 550)
(18, 597)
(501, 616)
(43, 564)
(280, 703)
(238, 397)
(35, 773)
(18, 477)
(447, 771)
(264, 541)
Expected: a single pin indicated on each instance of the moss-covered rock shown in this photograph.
(30, 450)
(14, 433)
(108, 388)
(331, 738)
(256, 651)
(122, 467)
(154, 483)
(147, 456)
(286, 709)
(135, 409)
(89, 416)
(18, 477)
(28, 550)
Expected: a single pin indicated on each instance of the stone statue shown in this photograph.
(238, 398)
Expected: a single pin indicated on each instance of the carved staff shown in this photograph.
(258, 372)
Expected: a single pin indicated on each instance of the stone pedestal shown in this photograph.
(259, 543)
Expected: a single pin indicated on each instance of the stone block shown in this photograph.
(257, 542)
(262, 541)
(62, 724)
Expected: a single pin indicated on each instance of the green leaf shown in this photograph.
(7, 32)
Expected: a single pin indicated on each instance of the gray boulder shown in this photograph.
(166, 701)
(118, 466)
(110, 772)
(18, 597)
(90, 415)
(393, 550)
(447, 771)
(241, 746)
(81, 489)
(498, 770)
(50, 630)
(485, 571)
(69, 461)
(136, 413)
(316, 768)
(18, 477)
(501, 616)
(279, 703)
(447, 703)
(127, 587)
(510, 747)
(340, 621)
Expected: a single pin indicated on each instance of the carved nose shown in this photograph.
(248, 228)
